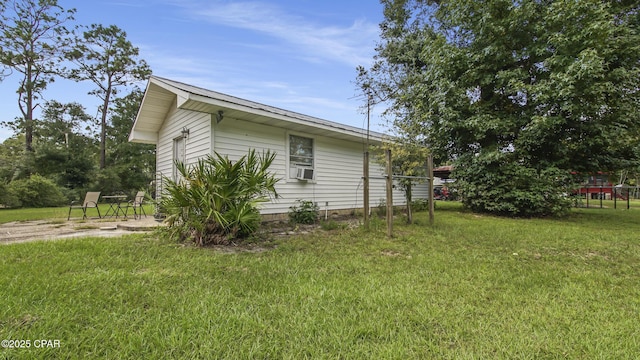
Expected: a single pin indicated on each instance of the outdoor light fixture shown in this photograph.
(219, 116)
(185, 132)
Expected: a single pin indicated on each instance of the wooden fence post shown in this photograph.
(389, 194)
(430, 175)
(365, 173)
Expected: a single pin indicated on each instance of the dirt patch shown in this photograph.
(267, 235)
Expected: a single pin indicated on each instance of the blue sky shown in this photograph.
(299, 55)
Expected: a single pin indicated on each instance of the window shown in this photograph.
(178, 155)
(300, 153)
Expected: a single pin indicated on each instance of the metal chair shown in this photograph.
(136, 203)
(90, 201)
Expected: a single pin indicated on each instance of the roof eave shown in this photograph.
(151, 116)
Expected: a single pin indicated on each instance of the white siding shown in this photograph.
(197, 143)
(234, 138)
(338, 167)
(338, 163)
(420, 191)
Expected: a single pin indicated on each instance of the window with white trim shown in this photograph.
(300, 154)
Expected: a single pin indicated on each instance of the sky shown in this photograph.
(299, 55)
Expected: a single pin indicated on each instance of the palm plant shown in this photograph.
(216, 200)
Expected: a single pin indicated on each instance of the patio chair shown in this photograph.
(90, 201)
(136, 203)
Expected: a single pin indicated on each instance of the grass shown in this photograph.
(56, 213)
(619, 204)
(470, 287)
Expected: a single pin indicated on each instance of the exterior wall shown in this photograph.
(338, 163)
(420, 191)
(338, 167)
(197, 144)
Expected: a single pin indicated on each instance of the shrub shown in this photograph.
(494, 184)
(381, 209)
(419, 205)
(8, 198)
(303, 212)
(108, 181)
(37, 191)
(217, 199)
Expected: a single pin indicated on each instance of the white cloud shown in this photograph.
(249, 50)
(352, 44)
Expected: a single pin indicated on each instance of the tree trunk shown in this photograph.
(28, 133)
(408, 197)
(103, 129)
(28, 112)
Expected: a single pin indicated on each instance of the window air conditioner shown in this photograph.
(304, 173)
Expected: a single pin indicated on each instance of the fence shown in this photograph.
(604, 196)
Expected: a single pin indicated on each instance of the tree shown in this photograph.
(134, 163)
(65, 151)
(11, 152)
(105, 57)
(526, 90)
(408, 158)
(60, 121)
(4, 69)
(37, 191)
(33, 40)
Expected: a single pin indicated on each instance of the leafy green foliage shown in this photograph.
(7, 198)
(419, 205)
(217, 200)
(64, 151)
(499, 185)
(61, 145)
(11, 151)
(408, 158)
(108, 181)
(553, 84)
(106, 58)
(134, 163)
(33, 39)
(303, 212)
(37, 191)
(381, 209)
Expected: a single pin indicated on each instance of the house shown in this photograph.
(317, 160)
(597, 185)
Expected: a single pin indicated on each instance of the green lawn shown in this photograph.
(611, 204)
(56, 213)
(471, 287)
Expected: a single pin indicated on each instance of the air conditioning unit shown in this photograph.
(303, 173)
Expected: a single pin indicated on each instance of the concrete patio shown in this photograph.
(23, 231)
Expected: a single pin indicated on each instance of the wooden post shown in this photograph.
(430, 175)
(389, 194)
(600, 196)
(628, 198)
(588, 194)
(365, 173)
